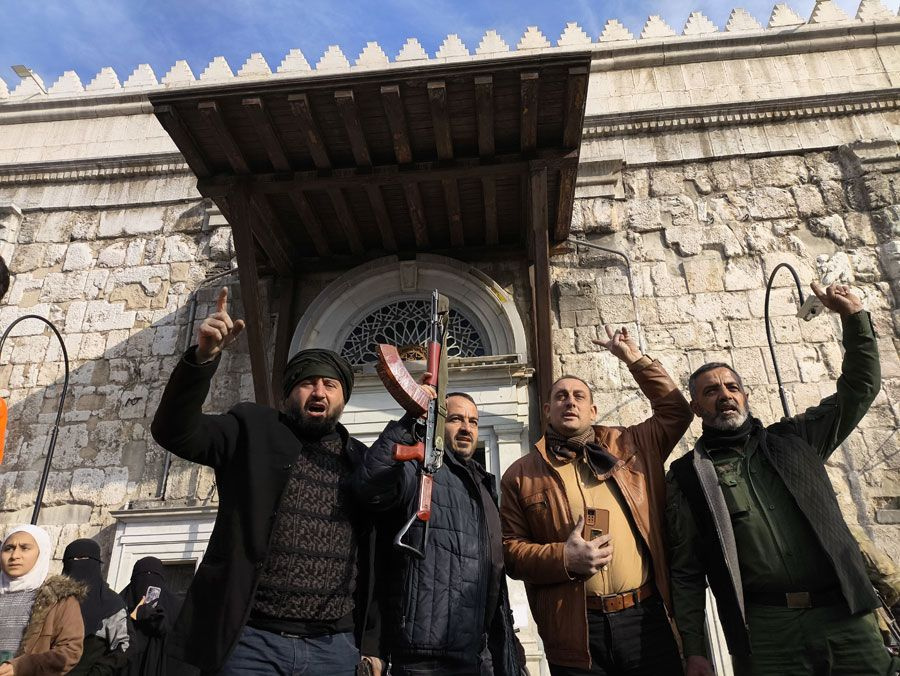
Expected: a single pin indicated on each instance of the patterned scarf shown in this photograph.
(567, 449)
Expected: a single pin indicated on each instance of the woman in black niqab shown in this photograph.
(150, 623)
(103, 612)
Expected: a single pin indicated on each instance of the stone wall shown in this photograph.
(114, 262)
(703, 237)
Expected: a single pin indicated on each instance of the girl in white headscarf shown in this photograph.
(41, 630)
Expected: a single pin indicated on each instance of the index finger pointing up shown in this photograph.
(222, 300)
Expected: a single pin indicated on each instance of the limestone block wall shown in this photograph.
(703, 236)
(112, 252)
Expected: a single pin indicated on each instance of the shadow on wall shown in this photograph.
(105, 456)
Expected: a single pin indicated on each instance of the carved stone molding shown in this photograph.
(730, 114)
(94, 169)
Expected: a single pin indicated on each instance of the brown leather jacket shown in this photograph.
(537, 520)
(54, 637)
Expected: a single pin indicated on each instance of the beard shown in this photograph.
(720, 421)
(313, 428)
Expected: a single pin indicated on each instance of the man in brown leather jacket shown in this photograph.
(599, 603)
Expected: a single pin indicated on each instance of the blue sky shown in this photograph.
(52, 36)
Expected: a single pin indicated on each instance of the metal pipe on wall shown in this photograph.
(45, 474)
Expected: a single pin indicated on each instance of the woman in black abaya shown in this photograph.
(149, 622)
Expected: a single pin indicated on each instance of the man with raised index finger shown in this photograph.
(283, 586)
(752, 512)
(598, 592)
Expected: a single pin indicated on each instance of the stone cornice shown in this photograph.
(743, 45)
(685, 118)
(94, 169)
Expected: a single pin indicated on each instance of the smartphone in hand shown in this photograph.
(152, 595)
(596, 523)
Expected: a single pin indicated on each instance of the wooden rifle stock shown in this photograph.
(404, 453)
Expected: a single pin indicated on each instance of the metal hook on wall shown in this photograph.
(62, 400)
(634, 303)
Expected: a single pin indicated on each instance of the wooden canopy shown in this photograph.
(468, 158)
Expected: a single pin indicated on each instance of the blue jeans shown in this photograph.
(267, 654)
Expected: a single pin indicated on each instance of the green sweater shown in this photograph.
(776, 546)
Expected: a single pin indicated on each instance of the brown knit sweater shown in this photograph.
(310, 574)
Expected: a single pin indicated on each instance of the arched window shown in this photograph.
(405, 324)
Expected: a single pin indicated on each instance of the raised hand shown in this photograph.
(621, 344)
(217, 331)
(838, 298)
(584, 558)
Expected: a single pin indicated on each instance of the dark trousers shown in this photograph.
(434, 668)
(637, 641)
(263, 653)
(813, 642)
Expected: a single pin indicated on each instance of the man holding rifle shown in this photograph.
(440, 582)
(447, 613)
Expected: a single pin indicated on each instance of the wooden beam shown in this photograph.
(390, 175)
(287, 301)
(213, 115)
(529, 113)
(543, 358)
(311, 223)
(576, 96)
(265, 226)
(443, 140)
(170, 119)
(346, 106)
(347, 221)
(564, 204)
(440, 119)
(417, 214)
(314, 141)
(253, 316)
(484, 109)
(454, 213)
(349, 112)
(489, 192)
(379, 209)
(396, 116)
(268, 135)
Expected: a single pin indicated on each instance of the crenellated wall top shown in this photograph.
(826, 14)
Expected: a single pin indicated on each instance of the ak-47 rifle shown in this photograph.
(428, 450)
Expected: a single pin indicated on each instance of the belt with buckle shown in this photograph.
(613, 603)
(817, 599)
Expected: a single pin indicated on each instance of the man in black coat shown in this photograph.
(283, 586)
(447, 614)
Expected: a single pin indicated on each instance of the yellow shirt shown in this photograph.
(629, 568)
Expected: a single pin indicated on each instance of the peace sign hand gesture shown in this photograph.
(217, 331)
(621, 344)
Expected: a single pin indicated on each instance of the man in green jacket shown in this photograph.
(751, 509)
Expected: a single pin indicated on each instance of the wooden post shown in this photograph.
(241, 213)
(543, 358)
(287, 320)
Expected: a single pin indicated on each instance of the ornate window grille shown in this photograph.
(405, 324)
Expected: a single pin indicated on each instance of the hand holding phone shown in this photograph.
(596, 523)
(152, 595)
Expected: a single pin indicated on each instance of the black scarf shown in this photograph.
(714, 439)
(81, 561)
(318, 362)
(147, 572)
(582, 445)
